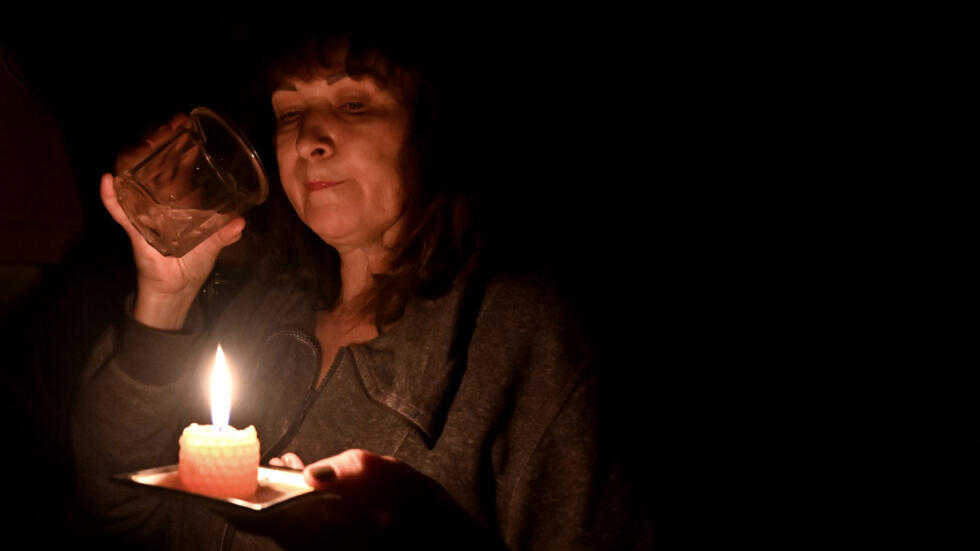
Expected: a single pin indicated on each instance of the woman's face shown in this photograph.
(338, 142)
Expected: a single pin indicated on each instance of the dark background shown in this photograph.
(562, 114)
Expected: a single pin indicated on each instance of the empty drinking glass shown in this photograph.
(193, 184)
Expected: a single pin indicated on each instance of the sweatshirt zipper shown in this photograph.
(227, 536)
(318, 387)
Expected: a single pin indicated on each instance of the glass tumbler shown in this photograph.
(192, 184)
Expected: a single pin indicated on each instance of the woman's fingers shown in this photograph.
(230, 233)
(129, 157)
(177, 120)
(292, 460)
(350, 466)
(107, 191)
(289, 459)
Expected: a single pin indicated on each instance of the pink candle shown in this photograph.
(218, 460)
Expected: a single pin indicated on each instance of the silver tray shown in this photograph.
(277, 485)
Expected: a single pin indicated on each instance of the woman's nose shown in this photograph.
(315, 136)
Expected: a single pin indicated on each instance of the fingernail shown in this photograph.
(323, 473)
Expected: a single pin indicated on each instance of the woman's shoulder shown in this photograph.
(534, 320)
(536, 299)
(264, 302)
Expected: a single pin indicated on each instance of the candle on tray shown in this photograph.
(216, 459)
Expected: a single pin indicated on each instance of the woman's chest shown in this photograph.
(333, 333)
(341, 416)
(294, 413)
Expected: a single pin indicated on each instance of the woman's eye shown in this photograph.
(288, 116)
(354, 106)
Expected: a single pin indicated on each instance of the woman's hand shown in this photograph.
(364, 500)
(166, 286)
(288, 459)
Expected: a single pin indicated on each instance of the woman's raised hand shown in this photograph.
(166, 286)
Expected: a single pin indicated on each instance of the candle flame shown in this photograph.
(220, 391)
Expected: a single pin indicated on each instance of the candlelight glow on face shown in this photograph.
(220, 391)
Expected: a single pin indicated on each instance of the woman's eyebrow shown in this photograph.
(290, 87)
(335, 77)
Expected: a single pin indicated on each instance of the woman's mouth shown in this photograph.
(315, 185)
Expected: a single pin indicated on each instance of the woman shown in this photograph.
(445, 407)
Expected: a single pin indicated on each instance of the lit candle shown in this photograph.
(216, 459)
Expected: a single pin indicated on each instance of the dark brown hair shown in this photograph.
(439, 241)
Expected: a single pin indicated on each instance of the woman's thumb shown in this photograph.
(232, 231)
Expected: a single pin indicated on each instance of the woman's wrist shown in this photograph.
(165, 311)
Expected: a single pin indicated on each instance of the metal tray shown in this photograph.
(277, 485)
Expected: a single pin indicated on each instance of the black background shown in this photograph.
(585, 189)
